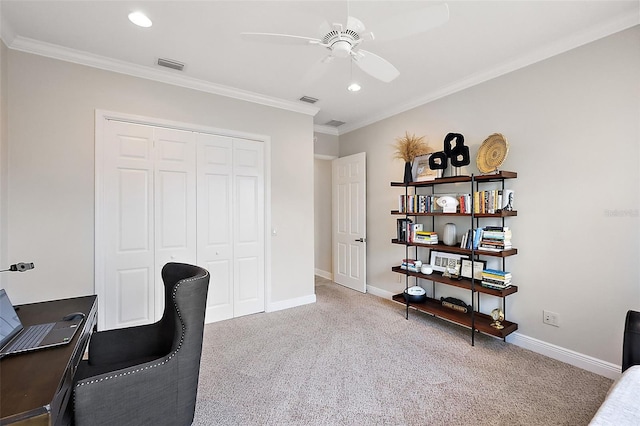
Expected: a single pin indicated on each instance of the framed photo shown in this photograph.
(441, 261)
(421, 170)
(478, 266)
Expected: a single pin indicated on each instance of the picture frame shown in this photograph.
(421, 170)
(478, 267)
(440, 261)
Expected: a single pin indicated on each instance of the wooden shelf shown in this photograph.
(457, 249)
(503, 213)
(461, 283)
(502, 175)
(481, 322)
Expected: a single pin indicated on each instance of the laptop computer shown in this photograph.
(15, 338)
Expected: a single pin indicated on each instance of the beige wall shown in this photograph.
(573, 126)
(325, 145)
(322, 225)
(3, 160)
(51, 169)
(325, 148)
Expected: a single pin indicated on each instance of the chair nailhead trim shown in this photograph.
(164, 361)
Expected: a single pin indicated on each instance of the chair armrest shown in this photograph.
(631, 340)
(139, 395)
(128, 345)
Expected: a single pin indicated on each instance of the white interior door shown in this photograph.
(349, 221)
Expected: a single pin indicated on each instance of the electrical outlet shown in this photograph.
(551, 318)
(399, 277)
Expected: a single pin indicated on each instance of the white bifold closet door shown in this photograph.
(179, 196)
(231, 221)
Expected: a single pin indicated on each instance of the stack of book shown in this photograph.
(495, 238)
(410, 265)
(496, 279)
(425, 237)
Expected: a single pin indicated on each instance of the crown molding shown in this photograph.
(53, 51)
(324, 157)
(327, 130)
(592, 34)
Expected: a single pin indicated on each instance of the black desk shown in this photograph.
(35, 387)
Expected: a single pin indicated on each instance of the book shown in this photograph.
(413, 228)
(426, 237)
(402, 229)
(496, 271)
(463, 240)
(494, 286)
(477, 236)
(490, 248)
(496, 281)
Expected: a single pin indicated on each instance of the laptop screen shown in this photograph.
(9, 322)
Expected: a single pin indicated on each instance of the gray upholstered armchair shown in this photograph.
(148, 375)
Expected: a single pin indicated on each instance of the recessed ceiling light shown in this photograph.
(140, 19)
(354, 87)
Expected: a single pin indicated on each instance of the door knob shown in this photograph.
(361, 240)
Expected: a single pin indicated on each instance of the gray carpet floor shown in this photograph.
(353, 359)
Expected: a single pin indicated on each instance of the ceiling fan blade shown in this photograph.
(375, 66)
(416, 22)
(279, 38)
(354, 24)
(324, 28)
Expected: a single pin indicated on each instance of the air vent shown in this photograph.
(308, 99)
(170, 64)
(334, 123)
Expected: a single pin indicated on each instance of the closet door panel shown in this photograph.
(249, 228)
(175, 202)
(215, 221)
(128, 238)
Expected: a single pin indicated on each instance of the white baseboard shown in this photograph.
(324, 274)
(291, 303)
(379, 292)
(576, 359)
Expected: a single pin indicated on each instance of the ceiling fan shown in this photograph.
(344, 41)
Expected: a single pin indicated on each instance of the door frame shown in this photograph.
(101, 118)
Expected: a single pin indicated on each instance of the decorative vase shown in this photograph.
(449, 234)
(408, 173)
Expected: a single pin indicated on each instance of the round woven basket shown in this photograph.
(492, 153)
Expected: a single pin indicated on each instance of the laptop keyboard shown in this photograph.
(31, 337)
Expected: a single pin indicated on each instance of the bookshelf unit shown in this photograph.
(475, 320)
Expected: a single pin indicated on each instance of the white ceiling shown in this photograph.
(481, 40)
